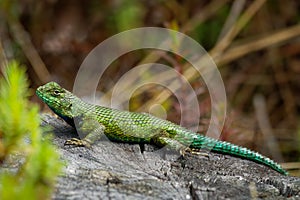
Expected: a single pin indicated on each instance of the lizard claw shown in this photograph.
(77, 143)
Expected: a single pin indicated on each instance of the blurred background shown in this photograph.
(255, 44)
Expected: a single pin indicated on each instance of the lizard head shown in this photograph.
(57, 98)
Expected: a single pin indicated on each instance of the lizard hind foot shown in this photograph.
(75, 142)
(194, 152)
(199, 152)
(185, 150)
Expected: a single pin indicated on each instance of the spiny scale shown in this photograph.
(124, 126)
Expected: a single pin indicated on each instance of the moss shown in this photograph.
(20, 133)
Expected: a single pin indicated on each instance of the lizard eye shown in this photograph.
(56, 92)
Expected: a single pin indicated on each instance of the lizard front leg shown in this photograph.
(90, 129)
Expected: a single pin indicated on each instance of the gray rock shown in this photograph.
(129, 171)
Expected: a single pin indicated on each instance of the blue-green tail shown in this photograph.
(231, 149)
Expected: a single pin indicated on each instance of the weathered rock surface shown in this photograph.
(125, 171)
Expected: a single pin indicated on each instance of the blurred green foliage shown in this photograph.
(10, 6)
(208, 32)
(128, 15)
(19, 119)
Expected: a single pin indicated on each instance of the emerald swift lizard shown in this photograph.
(94, 121)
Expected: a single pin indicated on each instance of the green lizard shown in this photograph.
(94, 121)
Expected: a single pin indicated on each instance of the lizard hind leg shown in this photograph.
(172, 144)
(163, 140)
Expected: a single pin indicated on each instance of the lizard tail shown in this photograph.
(231, 149)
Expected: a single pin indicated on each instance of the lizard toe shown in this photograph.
(185, 150)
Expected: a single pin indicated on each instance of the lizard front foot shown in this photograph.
(77, 143)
